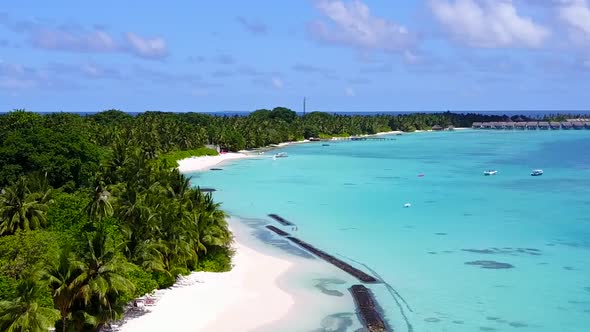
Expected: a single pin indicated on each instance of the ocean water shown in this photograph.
(508, 252)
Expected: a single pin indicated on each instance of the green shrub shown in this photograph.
(216, 260)
(172, 157)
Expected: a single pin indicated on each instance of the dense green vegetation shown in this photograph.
(171, 158)
(93, 213)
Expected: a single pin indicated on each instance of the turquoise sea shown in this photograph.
(509, 252)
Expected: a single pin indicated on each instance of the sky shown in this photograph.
(342, 55)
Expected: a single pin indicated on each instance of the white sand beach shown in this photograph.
(202, 163)
(243, 299)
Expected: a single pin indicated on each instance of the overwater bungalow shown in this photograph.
(578, 125)
(566, 125)
(437, 128)
(450, 128)
(508, 125)
(544, 125)
(532, 125)
(555, 125)
(476, 125)
(587, 124)
(520, 125)
(487, 125)
(499, 125)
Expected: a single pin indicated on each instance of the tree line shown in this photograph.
(93, 212)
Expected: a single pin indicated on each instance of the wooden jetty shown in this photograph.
(360, 275)
(281, 220)
(277, 230)
(577, 124)
(361, 138)
(367, 309)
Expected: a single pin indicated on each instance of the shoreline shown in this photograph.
(202, 301)
(203, 163)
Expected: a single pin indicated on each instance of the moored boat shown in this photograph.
(537, 172)
(490, 172)
(281, 155)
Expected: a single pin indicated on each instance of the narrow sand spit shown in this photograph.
(203, 163)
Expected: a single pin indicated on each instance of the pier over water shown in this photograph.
(576, 124)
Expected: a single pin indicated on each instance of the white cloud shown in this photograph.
(349, 92)
(488, 23)
(277, 82)
(75, 38)
(150, 48)
(576, 14)
(352, 24)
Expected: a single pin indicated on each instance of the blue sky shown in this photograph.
(349, 55)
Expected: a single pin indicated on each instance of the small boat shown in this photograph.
(537, 172)
(325, 144)
(407, 205)
(281, 155)
(490, 172)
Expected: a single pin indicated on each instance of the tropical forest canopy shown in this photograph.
(93, 212)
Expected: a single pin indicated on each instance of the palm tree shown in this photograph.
(21, 209)
(61, 277)
(102, 281)
(99, 206)
(23, 313)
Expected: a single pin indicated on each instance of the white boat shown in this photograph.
(281, 155)
(537, 172)
(490, 172)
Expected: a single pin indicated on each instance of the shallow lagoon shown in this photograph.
(472, 253)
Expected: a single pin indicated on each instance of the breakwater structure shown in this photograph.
(575, 124)
(277, 230)
(353, 271)
(367, 309)
(366, 305)
(281, 220)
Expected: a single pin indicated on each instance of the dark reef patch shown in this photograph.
(440, 233)
(506, 251)
(216, 169)
(587, 289)
(492, 265)
(569, 268)
(432, 320)
(349, 184)
(486, 328)
(518, 324)
(432, 252)
(492, 318)
(339, 322)
(458, 322)
(323, 286)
